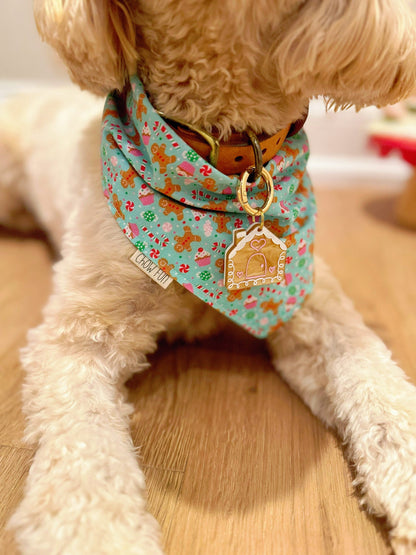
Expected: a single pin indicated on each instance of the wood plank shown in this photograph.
(14, 466)
(25, 279)
(256, 462)
(163, 487)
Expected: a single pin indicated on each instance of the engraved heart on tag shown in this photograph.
(258, 244)
(255, 257)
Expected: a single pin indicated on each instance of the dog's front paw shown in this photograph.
(90, 530)
(403, 533)
(386, 474)
(403, 546)
(81, 501)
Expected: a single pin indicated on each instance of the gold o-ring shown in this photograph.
(242, 192)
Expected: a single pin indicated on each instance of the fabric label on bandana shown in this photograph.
(151, 269)
(180, 212)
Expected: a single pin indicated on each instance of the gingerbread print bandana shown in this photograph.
(180, 211)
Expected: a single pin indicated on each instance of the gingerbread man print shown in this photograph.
(184, 242)
(293, 152)
(209, 184)
(141, 108)
(111, 141)
(235, 295)
(216, 205)
(271, 305)
(165, 266)
(110, 111)
(290, 240)
(302, 190)
(169, 187)
(170, 206)
(277, 326)
(275, 227)
(220, 264)
(135, 137)
(160, 157)
(117, 205)
(221, 220)
(127, 178)
(301, 221)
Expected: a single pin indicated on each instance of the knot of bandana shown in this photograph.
(180, 211)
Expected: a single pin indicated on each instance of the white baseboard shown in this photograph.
(335, 171)
(10, 87)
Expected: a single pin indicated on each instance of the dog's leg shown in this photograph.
(13, 213)
(84, 493)
(345, 374)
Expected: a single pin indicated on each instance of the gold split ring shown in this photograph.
(242, 193)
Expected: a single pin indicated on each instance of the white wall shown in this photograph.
(22, 54)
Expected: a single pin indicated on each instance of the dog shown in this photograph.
(225, 66)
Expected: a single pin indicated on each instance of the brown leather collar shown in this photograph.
(237, 154)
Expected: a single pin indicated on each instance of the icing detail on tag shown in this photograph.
(151, 269)
(255, 257)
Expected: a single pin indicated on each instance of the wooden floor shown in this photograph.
(235, 463)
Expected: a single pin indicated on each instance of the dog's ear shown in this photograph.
(95, 38)
(354, 52)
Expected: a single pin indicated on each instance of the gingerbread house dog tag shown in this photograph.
(255, 257)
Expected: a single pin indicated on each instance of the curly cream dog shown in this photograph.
(228, 64)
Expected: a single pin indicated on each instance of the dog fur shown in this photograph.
(224, 63)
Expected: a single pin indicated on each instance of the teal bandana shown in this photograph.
(180, 211)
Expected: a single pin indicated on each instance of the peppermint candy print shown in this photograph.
(205, 170)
